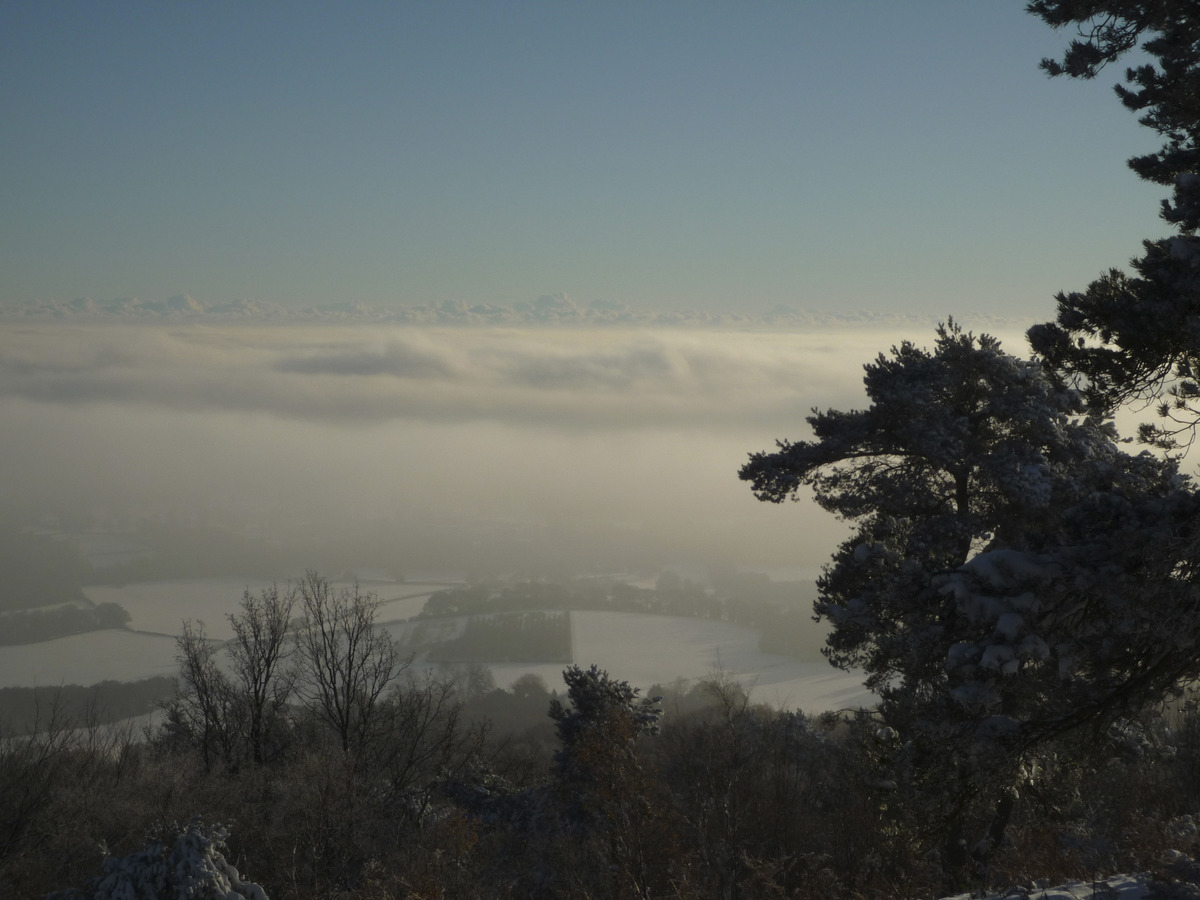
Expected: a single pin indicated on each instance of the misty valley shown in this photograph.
(373, 571)
(96, 608)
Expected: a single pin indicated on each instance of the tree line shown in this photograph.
(39, 571)
(25, 710)
(532, 636)
(699, 793)
(31, 626)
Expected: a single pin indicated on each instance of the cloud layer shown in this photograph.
(607, 380)
(543, 436)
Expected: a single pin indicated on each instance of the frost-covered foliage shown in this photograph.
(1139, 336)
(958, 440)
(1089, 618)
(598, 731)
(1011, 574)
(597, 737)
(594, 821)
(599, 705)
(1089, 631)
(191, 866)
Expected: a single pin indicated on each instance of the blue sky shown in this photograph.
(669, 155)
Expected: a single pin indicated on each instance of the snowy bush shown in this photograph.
(191, 867)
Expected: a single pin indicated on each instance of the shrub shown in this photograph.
(190, 867)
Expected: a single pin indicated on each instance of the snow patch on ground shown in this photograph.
(1116, 887)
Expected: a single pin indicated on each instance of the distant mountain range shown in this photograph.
(549, 309)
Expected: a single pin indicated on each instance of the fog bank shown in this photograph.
(619, 437)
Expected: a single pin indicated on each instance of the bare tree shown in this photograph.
(423, 741)
(260, 652)
(30, 767)
(205, 709)
(349, 663)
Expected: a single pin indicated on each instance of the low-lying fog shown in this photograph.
(589, 443)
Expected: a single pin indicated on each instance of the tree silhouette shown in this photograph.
(1010, 576)
(349, 663)
(1137, 336)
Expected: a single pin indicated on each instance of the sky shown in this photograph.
(676, 228)
(865, 155)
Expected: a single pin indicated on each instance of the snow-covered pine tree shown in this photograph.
(1137, 336)
(187, 863)
(1010, 576)
(598, 734)
(604, 794)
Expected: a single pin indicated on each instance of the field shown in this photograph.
(643, 649)
(646, 649)
(650, 649)
(160, 606)
(115, 654)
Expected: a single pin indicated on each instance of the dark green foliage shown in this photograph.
(962, 449)
(601, 785)
(602, 709)
(599, 825)
(1163, 91)
(487, 597)
(518, 715)
(731, 799)
(590, 593)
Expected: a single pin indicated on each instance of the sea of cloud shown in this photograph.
(622, 426)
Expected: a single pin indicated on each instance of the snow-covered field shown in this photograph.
(645, 649)
(161, 606)
(642, 649)
(649, 649)
(87, 658)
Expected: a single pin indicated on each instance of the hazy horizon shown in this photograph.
(671, 232)
(327, 429)
(511, 287)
